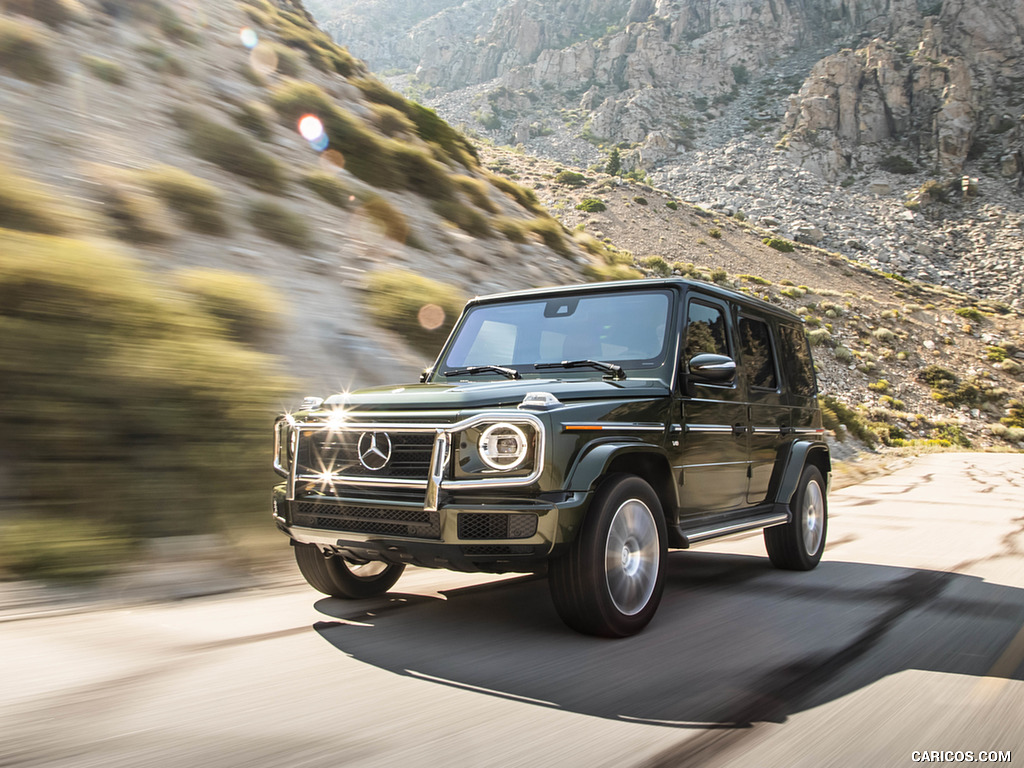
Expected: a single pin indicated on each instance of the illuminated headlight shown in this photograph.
(503, 446)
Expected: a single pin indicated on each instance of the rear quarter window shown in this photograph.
(796, 361)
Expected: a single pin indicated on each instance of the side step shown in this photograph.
(691, 536)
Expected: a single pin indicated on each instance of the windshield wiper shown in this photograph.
(511, 373)
(615, 370)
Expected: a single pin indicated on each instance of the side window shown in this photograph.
(796, 361)
(758, 360)
(705, 331)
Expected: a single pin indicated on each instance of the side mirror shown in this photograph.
(712, 368)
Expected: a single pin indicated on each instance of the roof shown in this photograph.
(676, 283)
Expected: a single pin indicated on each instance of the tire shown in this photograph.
(611, 580)
(798, 545)
(337, 577)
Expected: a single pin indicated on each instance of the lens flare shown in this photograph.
(332, 160)
(430, 316)
(249, 37)
(311, 127)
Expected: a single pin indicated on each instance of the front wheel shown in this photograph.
(335, 576)
(610, 581)
(797, 545)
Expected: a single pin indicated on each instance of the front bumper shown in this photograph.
(504, 535)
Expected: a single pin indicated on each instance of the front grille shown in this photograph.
(497, 549)
(339, 452)
(412, 523)
(489, 525)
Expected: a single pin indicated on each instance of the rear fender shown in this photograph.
(801, 453)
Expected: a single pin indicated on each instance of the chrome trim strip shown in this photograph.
(767, 430)
(714, 464)
(438, 462)
(278, 467)
(806, 431)
(745, 525)
(708, 428)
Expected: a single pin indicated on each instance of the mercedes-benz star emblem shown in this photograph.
(374, 450)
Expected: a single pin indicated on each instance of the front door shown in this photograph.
(713, 453)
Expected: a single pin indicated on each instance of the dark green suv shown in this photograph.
(583, 431)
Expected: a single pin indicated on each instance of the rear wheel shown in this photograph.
(798, 545)
(610, 581)
(335, 576)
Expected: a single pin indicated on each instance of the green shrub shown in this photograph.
(719, 275)
(25, 54)
(552, 233)
(640, 200)
(158, 59)
(330, 188)
(288, 62)
(134, 215)
(159, 406)
(995, 354)
(884, 335)
(200, 204)
(1014, 414)
(779, 244)
(970, 313)
(715, 232)
(391, 121)
(387, 218)
(843, 414)
(468, 219)
(891, 402)
(244, 308)
(936, 375)
(254, 117)
(526, 198)
(422, 173)
(881, 386)
(793, 292)
(672, 205)
(606, 272)
(281, 224)
(1010, 434)
(591, 205)
(26, 206)
(232, 151)
(819, 337)
(657, 265)
(570, 179)
(395, 299)
(105, 69)
(477, 191)
(952, 433)
(754, 279)
(936, 190)
(897, 164)
(842, 354)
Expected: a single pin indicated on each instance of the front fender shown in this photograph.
(789, 478)
(595, 462)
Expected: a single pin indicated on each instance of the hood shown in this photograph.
(489, 394)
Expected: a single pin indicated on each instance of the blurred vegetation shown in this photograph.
(200, 204)
(26, 206)
(297, 29)
(135, 216)
(128, 411)
(246, 310)
(466, 218)
(281, 224)
(387, 218)
(233, 151)
(395, 298)
(25, 54)
(105, 69)
(54, 13)
(255, 117)
(330, 188)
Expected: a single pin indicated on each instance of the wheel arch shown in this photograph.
(647, 462)
(802, 453)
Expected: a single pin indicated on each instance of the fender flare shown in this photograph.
(590, 465)
(799, 453)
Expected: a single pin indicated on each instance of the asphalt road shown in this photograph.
(908, 637)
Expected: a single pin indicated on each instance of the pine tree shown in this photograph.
(614, 164)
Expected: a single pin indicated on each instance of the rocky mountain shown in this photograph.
(856, 118)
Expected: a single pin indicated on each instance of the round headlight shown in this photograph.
(503, 446)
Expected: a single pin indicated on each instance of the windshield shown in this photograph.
(623, 328)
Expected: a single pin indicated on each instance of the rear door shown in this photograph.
(713, 453)
(769, 411)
